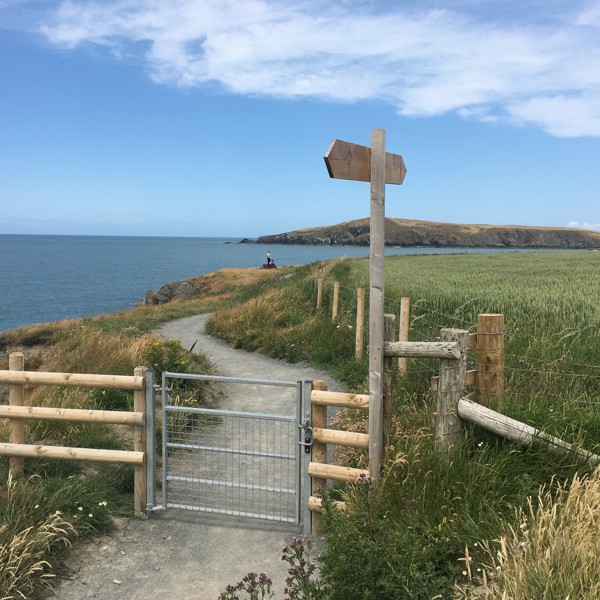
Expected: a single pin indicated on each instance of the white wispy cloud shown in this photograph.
(579, 225)
(525, 65)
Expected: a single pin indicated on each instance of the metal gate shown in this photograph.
(241, 459)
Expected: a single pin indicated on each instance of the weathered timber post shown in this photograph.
(16, 397)
(489, 382)
(318, 450)
(403, 333)
(360, 322)
(450, 390)
(389, 335)
(319, 292)
(140, 482)
(359, 163)
(376, 301)
(336, 300)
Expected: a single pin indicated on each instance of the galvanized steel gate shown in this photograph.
(245, 459)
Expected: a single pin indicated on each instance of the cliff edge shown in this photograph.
(406, 232)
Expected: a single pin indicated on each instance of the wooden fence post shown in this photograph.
(389, 335)
(360, 322)
(139, 445)
(318, 418)
(403, 332)
(336, 299)
(319, 292)
(16, 397)
(451, 388)
(489, 384)
(376, 300)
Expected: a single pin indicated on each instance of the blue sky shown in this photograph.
(211, 117)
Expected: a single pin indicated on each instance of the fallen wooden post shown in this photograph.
(515, 430)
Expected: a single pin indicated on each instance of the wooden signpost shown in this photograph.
(360, 163)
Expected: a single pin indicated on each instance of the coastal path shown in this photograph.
(186, 555)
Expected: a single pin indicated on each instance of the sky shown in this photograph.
(211, 117)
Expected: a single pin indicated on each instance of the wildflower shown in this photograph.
(90, 515)
(80, 508)
(36, 506)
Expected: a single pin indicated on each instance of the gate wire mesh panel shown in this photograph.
(232, 462)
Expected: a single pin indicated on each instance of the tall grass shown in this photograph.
(551, 550)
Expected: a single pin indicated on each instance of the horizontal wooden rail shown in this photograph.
(339, 399)
(515, 430)
(115, 417)
(341, 438)
(316, 504)
(112, 382)
(422, 349)
(62, 452)
(335, 472)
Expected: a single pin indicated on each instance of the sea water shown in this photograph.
(47, 278)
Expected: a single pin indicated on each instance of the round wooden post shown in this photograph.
(376, 300)
(360, 322)
(450, 390)
(139, 445)
(318, 451)
(336, 299)
(16, 397)
(319, 292)
(403, 333)
(489, 383)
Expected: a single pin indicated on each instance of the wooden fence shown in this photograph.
(455, 405)
(16, 412)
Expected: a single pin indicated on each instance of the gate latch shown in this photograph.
(308, 436)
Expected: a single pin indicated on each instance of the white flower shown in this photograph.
(80, 508)
(90, 515)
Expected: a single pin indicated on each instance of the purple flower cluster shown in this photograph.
(258, 587)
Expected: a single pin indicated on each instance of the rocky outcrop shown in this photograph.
(174, 290)
(406, 233)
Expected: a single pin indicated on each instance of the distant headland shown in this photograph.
(408, 233)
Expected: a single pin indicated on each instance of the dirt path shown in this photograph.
(183, 555)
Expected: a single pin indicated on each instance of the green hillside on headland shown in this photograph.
(430, 527)
(407, 233)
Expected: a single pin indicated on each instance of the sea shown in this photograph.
(47, 278)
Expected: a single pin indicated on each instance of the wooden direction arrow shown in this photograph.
(351, 161)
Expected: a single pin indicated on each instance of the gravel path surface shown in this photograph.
(182, 555)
